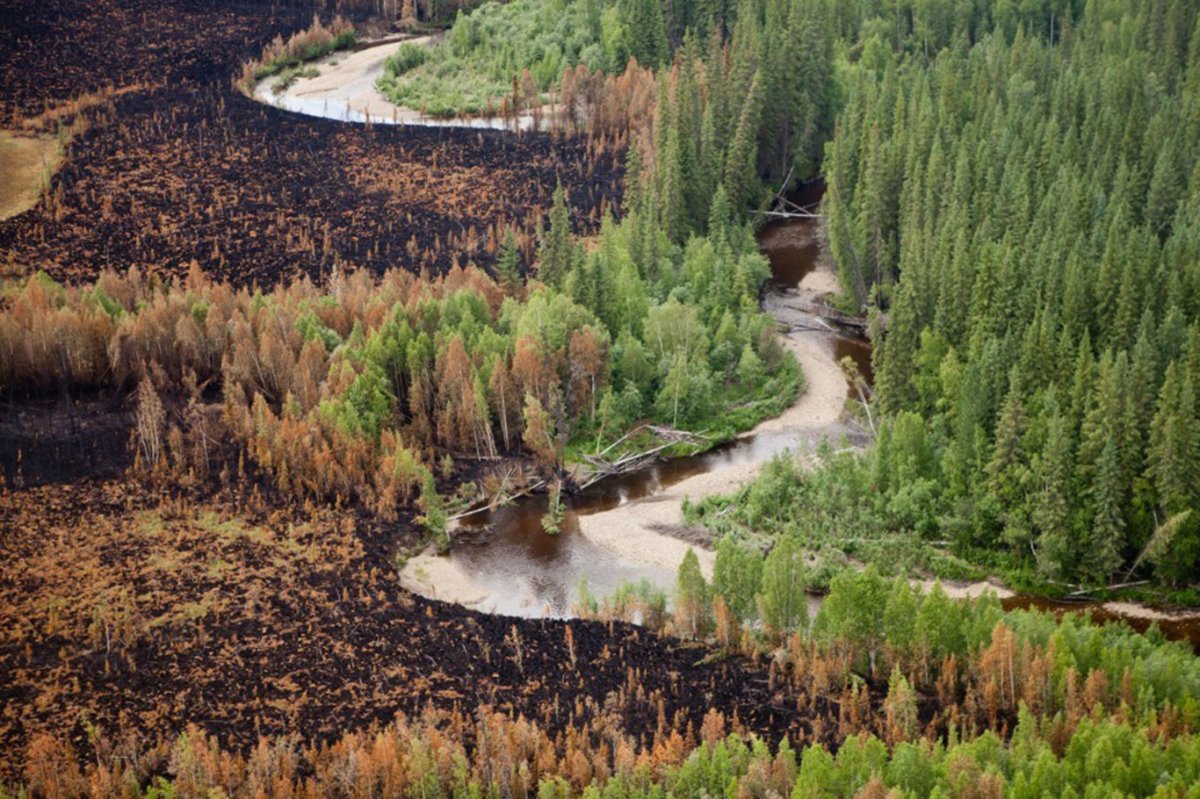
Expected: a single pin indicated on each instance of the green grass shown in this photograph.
(292, 59)
(472, 70)
(287, 77)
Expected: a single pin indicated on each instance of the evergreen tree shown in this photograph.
(741, 170)
(557, 254)
(646, 29)
(1174, 456)
(737, 575)
(1008, 472)
(811, 71)
(508, 264)
(1107, 537)
(1052, 513)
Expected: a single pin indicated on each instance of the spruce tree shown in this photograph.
(741, 170)
(1008, 475)
(1174, 455)
(508, 264)
(1052, 507)
(556, 256)
(1107, 535)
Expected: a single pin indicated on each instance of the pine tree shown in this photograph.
(671, 189)
(811, 70)
(1008, 471)
(646, 28)
(1052, 508)
(508, 264)
(1107, 536)
(1174, 456)
(741, 170)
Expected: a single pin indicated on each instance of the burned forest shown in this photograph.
(599, 399)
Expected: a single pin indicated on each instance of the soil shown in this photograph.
(63, 439)
(179, 166)
(139, 612)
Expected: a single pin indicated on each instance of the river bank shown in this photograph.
(630, 532)
(344, 88)
(631, 527)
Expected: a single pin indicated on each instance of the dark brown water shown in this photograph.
(523, 571)
(1175, 629)
(859, 351)
(793, 249)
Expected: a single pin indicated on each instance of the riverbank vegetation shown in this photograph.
(285, 59)
(322, 337)
(356, 392)
(1016, 201)
(941, 696)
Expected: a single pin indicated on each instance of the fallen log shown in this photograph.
(668, 436)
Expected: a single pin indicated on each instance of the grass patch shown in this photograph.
(27, 163)
(285, 58)
(290, 75)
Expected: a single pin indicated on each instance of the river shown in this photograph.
(344, 90)
(619, 530)
(613, 532)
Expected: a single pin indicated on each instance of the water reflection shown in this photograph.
(522, 571)
(526, 572)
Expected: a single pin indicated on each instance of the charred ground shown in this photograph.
(174, 165)
(133, 611)
(136, 610)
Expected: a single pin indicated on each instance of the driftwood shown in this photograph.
(496, 500)
(1113, 587)
(827, 314)
(790, 214)
(667, 436)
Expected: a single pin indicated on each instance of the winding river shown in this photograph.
(344, 89)
(630, 527)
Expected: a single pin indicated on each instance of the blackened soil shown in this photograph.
(181, 167)
(140, 615)
(63, 439)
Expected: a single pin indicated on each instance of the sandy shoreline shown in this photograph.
(344, 89)
(345, 83)
(437, 577)
(1133, 610)
(638, 531)
(641, 531)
